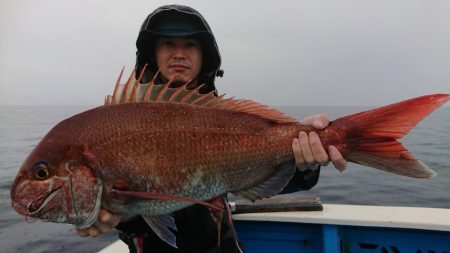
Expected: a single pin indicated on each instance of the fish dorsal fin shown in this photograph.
(133, 91)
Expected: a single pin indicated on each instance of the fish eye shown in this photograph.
(40, 171)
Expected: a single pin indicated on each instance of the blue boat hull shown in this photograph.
(269, 236)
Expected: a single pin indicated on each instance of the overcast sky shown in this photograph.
(55, 52)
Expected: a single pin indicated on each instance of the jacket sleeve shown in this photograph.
(197, 232)
(303, 180)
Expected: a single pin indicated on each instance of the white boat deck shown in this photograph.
(437, 219)
(116, 247)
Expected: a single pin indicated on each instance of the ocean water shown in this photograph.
(22, 127)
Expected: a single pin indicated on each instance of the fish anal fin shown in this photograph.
(272, 186)
(164, 227)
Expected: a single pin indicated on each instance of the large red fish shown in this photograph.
(154, 149)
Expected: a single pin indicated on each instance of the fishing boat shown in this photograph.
(304, 224)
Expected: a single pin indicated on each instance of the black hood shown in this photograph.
(179, 21)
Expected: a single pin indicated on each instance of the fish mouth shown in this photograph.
(34, 208)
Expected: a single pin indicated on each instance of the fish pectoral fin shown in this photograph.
(161, 196)
(272, 186)
(164, 227)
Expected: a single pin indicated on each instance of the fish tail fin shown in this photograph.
(371, 137)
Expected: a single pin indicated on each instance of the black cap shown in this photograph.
(178, 21)
(174, 24)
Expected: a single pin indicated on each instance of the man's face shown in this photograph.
(180, 57)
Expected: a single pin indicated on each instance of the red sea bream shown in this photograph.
(154, 149)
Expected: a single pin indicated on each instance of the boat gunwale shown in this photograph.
(424, 218)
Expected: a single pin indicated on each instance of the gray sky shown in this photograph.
(313, 52)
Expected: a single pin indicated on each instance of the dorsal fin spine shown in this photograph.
(236, 104)
(123, 99)
(181, 92)
(174, 95)
(142, 73)
(164, 87)
(146, 95)
(133, 92)
(155, 76)
(147, 92)
(245, 104)
(116, 88)
(198, 100)
(224, 103)
(251, 108)
(190, 93)
(214, 100)
(137, 85)
(161, 93)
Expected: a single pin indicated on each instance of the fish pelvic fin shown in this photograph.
(272, 186)
(164, 227)
(371, 136)
(133, 91)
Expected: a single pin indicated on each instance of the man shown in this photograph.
(177, 41)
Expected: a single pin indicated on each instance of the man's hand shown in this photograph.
(106, 222)
(308, 149)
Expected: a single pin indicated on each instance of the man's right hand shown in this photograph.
(308, 148)
(106, 222)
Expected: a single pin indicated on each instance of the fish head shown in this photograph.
(56, 184)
